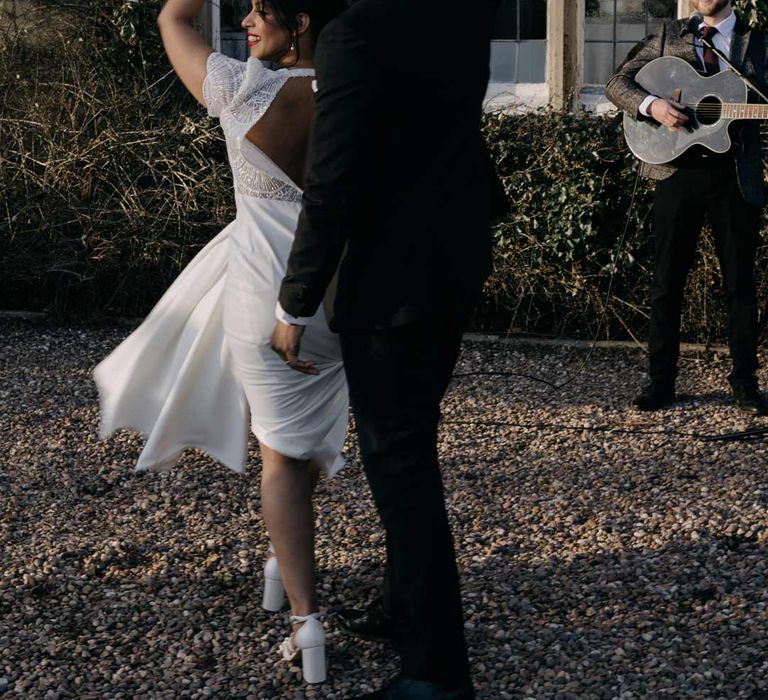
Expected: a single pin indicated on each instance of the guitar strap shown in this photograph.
(756, 51)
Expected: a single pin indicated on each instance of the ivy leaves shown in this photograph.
(755, 12)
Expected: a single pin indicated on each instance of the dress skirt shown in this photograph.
(200, 369)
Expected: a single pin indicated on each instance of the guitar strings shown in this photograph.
(713, 109)
(716, 108)
(723, 106)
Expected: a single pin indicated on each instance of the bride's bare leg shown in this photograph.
(287, 486)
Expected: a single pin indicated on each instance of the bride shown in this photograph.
(200, 366)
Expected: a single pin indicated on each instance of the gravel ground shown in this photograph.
(617, 558)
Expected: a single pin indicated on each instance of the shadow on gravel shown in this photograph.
(684, 620)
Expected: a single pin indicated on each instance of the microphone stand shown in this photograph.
(708, 43)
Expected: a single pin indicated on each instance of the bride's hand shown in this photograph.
(286, 342)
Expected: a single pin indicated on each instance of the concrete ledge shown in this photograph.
(23, 316)
(583, 344)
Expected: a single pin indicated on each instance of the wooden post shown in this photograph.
(684, 8)
(565, 51)
(209, 23)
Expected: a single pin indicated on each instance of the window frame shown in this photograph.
(614, 40)
(517, 42)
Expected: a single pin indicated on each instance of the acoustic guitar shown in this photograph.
(712, 104)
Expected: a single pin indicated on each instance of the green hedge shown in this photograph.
(575, 234)
(754, 11)
(113, 179)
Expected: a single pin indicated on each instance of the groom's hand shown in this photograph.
(286, 342)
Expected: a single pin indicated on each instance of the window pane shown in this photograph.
(232, 13)
(504, 61)
(613, 27)
(232, 33)
(506, 21)
(532, 16)
(519, 49)
(532, 62)
(533, 19)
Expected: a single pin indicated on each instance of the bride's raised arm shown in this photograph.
(187, 51)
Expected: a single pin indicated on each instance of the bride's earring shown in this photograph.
(293, 46)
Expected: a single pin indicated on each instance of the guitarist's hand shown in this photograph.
(669, 113)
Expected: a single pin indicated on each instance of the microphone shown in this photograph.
(693, 24)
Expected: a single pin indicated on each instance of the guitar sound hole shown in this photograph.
(708, 111)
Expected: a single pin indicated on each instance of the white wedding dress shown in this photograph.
(201, 365)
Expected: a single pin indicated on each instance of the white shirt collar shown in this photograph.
(725, 27)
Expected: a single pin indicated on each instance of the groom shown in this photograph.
(397, 202)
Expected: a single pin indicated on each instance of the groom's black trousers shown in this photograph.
(397, 378)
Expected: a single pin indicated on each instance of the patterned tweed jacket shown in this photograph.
(749, 52)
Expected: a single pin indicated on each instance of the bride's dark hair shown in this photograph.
(320, 12)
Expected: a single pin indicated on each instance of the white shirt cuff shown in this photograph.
(645, 105)
(284, 317)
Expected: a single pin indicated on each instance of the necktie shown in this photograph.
(711, 61)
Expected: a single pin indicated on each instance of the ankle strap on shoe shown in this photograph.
(304, 618)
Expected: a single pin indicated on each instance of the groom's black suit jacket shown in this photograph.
(399, 179)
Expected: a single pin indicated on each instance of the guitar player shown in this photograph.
(728, 189)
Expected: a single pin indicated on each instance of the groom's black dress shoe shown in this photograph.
(748, 399)
(407, 689)
(655, 395)
(373, 624)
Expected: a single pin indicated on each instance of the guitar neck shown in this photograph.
(744, 111)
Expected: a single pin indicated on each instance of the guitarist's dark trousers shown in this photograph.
(705, 189)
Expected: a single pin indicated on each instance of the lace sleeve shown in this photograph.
(223, 79)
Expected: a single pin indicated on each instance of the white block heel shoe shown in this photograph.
(274, 591)
(309, 639)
